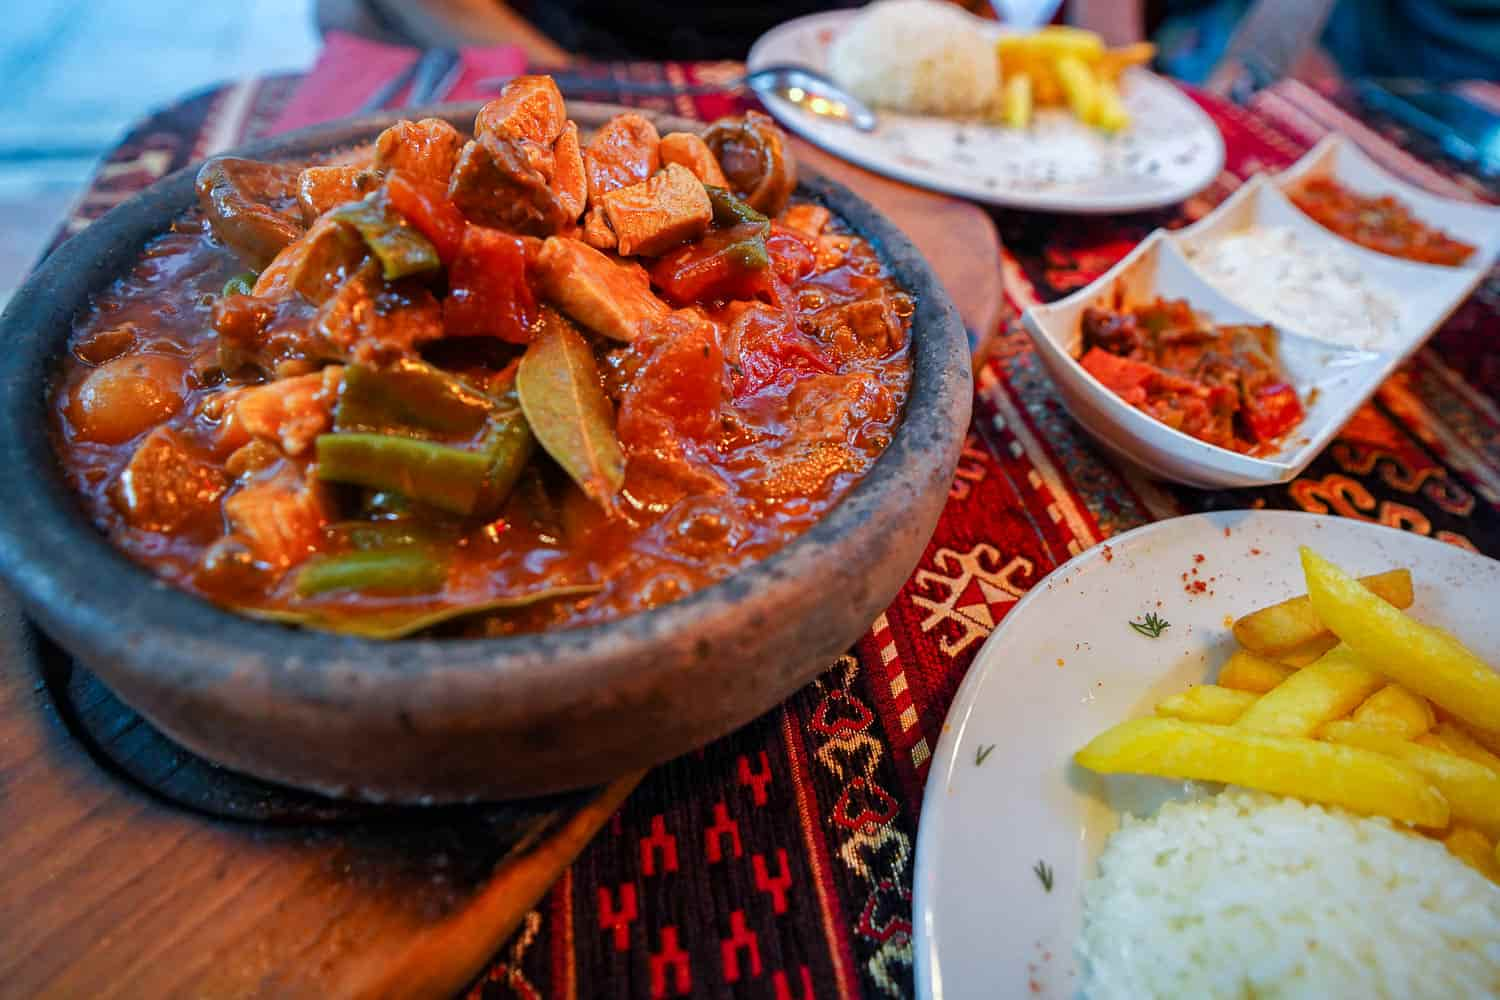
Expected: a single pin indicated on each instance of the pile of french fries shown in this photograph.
(1339, 697)
(1062, 66)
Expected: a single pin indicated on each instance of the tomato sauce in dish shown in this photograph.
(422, 387)
(1220, 384)
(1383, 224)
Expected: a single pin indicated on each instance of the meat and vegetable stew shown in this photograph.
(488, 385)
(1221, 384)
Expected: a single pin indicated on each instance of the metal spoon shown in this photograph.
(808, 89)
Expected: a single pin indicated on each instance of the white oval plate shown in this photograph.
(1064, 666)
(1171, 151)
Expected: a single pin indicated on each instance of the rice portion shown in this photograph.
(1249, 895)
(923, 56)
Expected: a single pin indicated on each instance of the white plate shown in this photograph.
(1064, 666)
(1340, 158)
(1171, 151)
(1342, 378)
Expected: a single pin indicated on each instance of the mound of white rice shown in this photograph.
(923, 56)
(1249, 895)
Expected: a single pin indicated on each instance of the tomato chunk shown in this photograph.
(790, 255)
(488, 293)
(1272, 410)
(772, 347)
(430, 212)
(728, 263)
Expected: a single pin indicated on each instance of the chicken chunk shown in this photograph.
(626, 150)
(242, 200)
(322, 188)
(689, 150)
(596, 232)
(655, 215)
(569, 182)
(529, 107)
(291, 412)
(280, 515)
(592, 289)
(495, 185)
(166, 487)
(427, 149)
(864, 328)
(806, 218)
(315, 265)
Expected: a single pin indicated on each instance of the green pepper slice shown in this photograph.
(730, 209)
(410, 570)
(409, 395)
(446, 477)
(401, 250)
(459, 480)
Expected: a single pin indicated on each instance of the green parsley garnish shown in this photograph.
(1043, 872)
(1152, 626)
(982, 753)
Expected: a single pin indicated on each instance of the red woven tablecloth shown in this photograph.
(777, 862)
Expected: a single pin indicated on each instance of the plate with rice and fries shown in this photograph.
(1050, 120)
(1244, 753)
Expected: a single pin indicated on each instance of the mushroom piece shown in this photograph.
(237, 196)
(756, 159)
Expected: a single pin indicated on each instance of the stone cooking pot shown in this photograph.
(424, 720)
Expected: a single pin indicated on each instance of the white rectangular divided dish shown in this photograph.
(1423, 294)
(1342, 378)
(1341, 159)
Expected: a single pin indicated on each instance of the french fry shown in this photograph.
(1113, 62)
(1245, 671)
(1078, 85)
(1456, 739)
(1396, 710)
(1471, 790)
(1109, 110)
(1488, 739)
(1207, 703)
(1474, 849)
(1016, 103)
(1328, 689)
(1353, 777)
(1301, 656)
(1046, 92)
(1051, 42)
(1424, 659)
(1285, 626)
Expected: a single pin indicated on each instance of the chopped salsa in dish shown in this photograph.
(484, 385)
(1221, 384)
(1384, 224)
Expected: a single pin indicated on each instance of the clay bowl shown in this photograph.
(434, 721)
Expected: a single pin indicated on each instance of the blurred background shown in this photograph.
(76, 73)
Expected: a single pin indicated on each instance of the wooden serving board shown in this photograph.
(111, 888)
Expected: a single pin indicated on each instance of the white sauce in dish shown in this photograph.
(1316, 291)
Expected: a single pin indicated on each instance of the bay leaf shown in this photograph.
(558, 383)
(398, 623)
